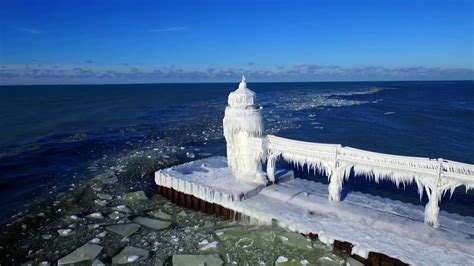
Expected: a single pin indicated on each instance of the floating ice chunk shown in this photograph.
(296, 240)
(72, 226)
(104, 196)
(100, 202)
(304, 262)
(93, 226)
(132, 258)
(97, 263)
(87, 252)
(46, 237)
(244, 242)
(190, 155)
(186, 260)
(130, 254)
(115, 215)
(94, 240)
(160, 215)
(325, 259)
(203, 242)
(125, 230)
(121, 208)
(134, 196)
(280, 260)
(101, 235)
(110, 181)
(65, 232)
(152, 223)
(95, 215)
(209, 246)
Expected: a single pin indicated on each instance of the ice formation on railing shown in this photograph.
(435, 176)
(247, 148)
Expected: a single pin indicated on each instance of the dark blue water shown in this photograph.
(53, 136)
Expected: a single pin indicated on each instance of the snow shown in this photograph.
(207, 179)
(370, 223)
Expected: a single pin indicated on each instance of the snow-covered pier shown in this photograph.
(373, 229)
(436, 176)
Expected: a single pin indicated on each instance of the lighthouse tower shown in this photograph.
(243, 128)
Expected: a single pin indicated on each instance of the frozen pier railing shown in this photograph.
(436, 176)
(247, 148)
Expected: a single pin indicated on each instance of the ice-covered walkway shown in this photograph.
(368, 222)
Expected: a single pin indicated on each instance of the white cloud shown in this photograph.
(90, 73)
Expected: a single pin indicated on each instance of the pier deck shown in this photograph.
(375, 230)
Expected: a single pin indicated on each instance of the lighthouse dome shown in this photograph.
(242, 97)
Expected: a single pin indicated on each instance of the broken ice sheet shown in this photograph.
(65, 232)
(130, 254)
(110, 181)
(186, 260)
(121, 208)
(134, 196)
(125, 230)
(104, 196)
(116, 215)
(87, 252)
(152, 223)
(208, 246)
(95, 215)
(160, 215)
(295, 240)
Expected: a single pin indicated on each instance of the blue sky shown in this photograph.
(115, 41)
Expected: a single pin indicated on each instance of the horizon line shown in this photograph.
(229, 82)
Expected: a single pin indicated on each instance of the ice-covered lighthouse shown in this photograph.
(243, 128)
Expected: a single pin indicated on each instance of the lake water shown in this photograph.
(55, 136)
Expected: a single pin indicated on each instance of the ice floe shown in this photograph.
(152, 223)
(125, 230)
(87, 252)
(186, 260)
(130, 254)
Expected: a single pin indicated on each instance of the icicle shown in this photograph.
(335, 187)
(432, 209)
